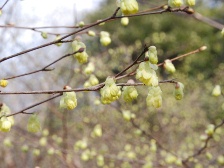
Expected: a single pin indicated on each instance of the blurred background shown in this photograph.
(73, 138)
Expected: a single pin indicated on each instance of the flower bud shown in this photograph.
(190, 2)
(217, 91)
(110, 92)
(85, 156)
(57, 38)
(97, 131)
(51, 151)
(7, 142)
(169, 67)
(129, 93)
(43, 141)
(179, 91)
(0, 12)
(146, 74)
(222, 32)
(5, 125)
(129, 7)
(93, 80)
(24, 148)
(3, 83)
(105, 38)
(81, 144)
(220, 160)
(44, 35)
(83, 56)
(68, 100)
(36, 152)
(124, 21)
(100, 160)
(154, 97)
(81, 24)
(175, 3)
(210, 130)
(33, 124)
(126, 115)
(89, 69)
(152, 55)
(91, 33)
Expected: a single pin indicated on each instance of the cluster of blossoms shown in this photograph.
(83, 56)
(147, 75)
(110, 92)
(179, 3)
(105, 38)
(5, 122)
(68, 100)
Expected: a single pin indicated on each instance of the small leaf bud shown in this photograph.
(169, 67)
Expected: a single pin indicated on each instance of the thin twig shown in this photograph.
(93, 88)
(46, 67)
(33, 105)
(113, 17)
(203, 148)
(4, 4)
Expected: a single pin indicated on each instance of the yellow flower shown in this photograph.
(124, 21)
(3, 83)
(129, 7)
(105, 38)
(175, 3)
(154, 98)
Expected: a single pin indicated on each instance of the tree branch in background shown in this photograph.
(46, 67)
(4, 4)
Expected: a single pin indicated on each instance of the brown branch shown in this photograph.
(208, 21)
(46, 67)
(93, 88)
(33, 105)
(187, 54)
(142, 53)
(4, 4)
(204, 147)
(113, 17)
